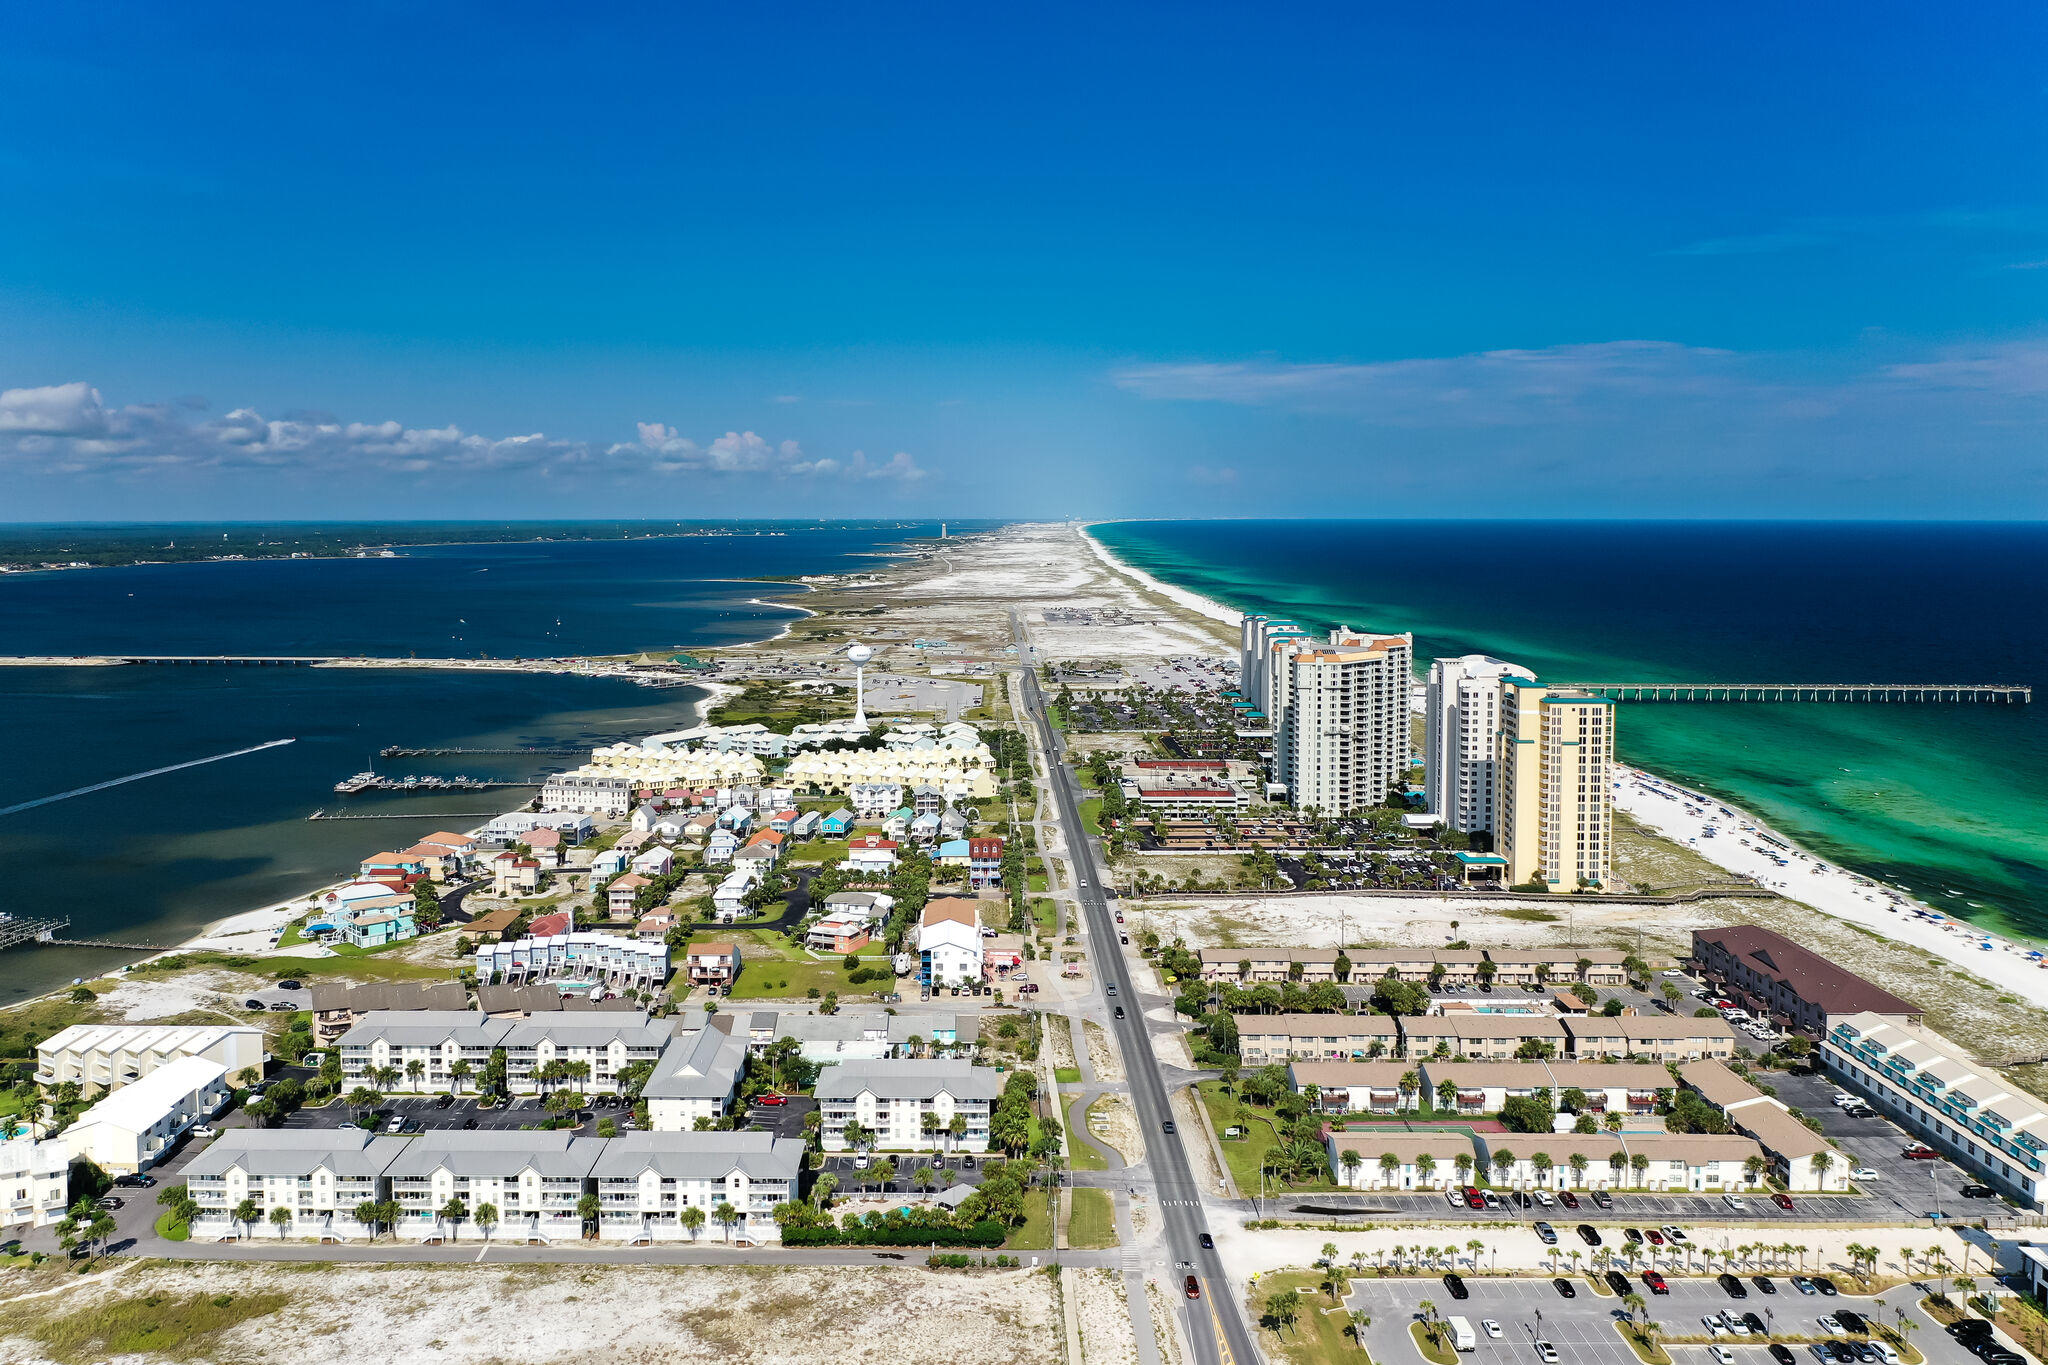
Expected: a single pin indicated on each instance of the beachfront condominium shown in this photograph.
(1262, 637)
(1553, 820)
(1341, 735)
(1461, 738)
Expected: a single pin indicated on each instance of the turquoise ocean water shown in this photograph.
(1949, 801)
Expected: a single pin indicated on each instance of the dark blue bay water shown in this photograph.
(159, 858)
(1951, 801)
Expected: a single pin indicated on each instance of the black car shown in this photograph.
(1456, 1285)
(1522, 1198)
(1119, 1011)
(1852, 1320)
(1565, 1288)
(1984, 1347)
(2003, 1357)
(1589, 1235)
(469, 1122)
(1634, 1236)
(1763, 1284)
(1866, 1353)
(288, 985)
(1618, 1282)
(1840, 1352)
(1970, 1329)
(444, 1101)
(1826, 1286)
(137, 1181)
(1208, 1242)
(1979, 1192)
(1167, 1127)
(1782, 1354)
(1753, 1323)
(1546, 1234)
(1736, 1288)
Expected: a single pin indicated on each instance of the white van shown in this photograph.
(1462, 1336)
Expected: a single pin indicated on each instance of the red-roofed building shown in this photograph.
(619, 896)
(547, 926)
(781, 821)
(984, 861)
(870, 853)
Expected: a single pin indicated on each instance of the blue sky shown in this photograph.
(1500, 260)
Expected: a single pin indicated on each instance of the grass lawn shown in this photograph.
(1067, 1075)
(1035, 1233)
(1649, 1354)
(22, 1027)
(1044, 912)
(1317, 1337)
(817, 851)
(1227, 1111)
(1431, 1350)
(1085, 1158)
(1092, 1224)
(1091, 815)
(168, 1228)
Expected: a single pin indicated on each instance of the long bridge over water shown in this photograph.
(1867, 692)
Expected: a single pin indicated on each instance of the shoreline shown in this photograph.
(1193, 601)
(1835, 890)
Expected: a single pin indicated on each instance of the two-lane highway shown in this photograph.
(1215, 1328)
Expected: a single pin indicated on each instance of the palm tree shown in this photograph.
(1425, 1167)
(456, 1212)
(727, 1217)
(486, 1218)
(246, 1213)
(1475, 1246)
(1543, 1163)
(693, 1219)
(1351, 1161)
(1389, 1164)
(280, 1218)
(415, 1069)
(1753, 1167)
(386, 1077)
(1822, 1163)
(370, 1213)
(1503, 1162)
(1578, 1163)
(460, 1072)
(1463, 1161)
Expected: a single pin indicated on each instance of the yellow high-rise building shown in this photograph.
(1553, 803)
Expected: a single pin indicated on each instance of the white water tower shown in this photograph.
(859, 656)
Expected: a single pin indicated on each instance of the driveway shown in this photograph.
(1907, 1188)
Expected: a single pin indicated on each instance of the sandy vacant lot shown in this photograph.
(316, 1314)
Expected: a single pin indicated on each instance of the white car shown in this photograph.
(1673, 971)
(205, 1130)
(1736, 1326)
(1830, 1324)
(1675, 1235)
(1546, 1353)
(1545, 1200)
(1714, 1325)
(1733, 1202)
(1864, 1173)
(1843, 1097)
(1721, 1354)
(860, 1163)
(1490, 1327)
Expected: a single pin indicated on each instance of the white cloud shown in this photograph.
(1486, 388)
(69, 429)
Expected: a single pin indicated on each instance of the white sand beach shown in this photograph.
(1193, 601)
(1753, 850)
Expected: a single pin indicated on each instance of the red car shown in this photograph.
(1474, 1199)
(1194, 1288)
(1655, 1282)
(1568, 1199)
(771, 1099)
(1783, 1201)
(1656, 1237)
(1920, 1151)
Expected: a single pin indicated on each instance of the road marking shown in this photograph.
(482, 1252)
(1216, 1323)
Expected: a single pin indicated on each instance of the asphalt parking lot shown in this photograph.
(952, 1170)
(783, 1120)
(1904, 1186)
(425, 1111)
(1583, 1330)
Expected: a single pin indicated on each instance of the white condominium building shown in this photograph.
(1552, 802)
(891, 1099)
(1342, 735)
(1462, 738)
(112, 1055)
(34, 1176)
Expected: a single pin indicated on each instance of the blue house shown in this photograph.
(838, 823)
